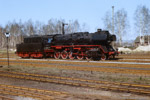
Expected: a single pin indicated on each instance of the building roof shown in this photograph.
(146, 38)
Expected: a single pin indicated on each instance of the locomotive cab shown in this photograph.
(47, 40)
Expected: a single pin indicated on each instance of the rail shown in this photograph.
(28, 92)
(114, 86)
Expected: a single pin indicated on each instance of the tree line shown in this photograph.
(18, 30)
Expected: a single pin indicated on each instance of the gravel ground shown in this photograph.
(75, 93)
(78, 93)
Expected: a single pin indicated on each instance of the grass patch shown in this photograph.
(142, 80)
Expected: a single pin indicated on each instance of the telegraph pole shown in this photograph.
(141, 31)
(112, 19)
(7, 36)
(113, 24)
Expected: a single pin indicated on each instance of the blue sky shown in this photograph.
(90, 12)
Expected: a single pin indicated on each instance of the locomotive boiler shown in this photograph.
(69, 46)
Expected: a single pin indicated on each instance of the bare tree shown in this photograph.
(84, 27)
(76, 26)
(142, 21)
(70, 27)
(29, 28)
(38, 28)
(121, 24)
(58, 26)
(1, 37)
(73, 26)
(107, 21)
(20, 31)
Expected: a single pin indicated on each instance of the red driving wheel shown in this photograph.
(57, 55)
(64, 54)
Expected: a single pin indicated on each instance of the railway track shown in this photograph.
(124, 61)
(28, 92)
(5, 98)
(98, 67)
(104, 85)
(77, 63)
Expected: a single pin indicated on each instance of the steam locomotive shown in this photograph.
(81, 45)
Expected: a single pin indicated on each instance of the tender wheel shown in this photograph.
(57, 55)
(71, 56)
(103, 57)
(25, 55)
(39, 55)
(32, 55)
(64, 54)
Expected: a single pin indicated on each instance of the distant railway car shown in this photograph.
(69, 46)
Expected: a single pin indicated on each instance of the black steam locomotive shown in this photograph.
(69, 46)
